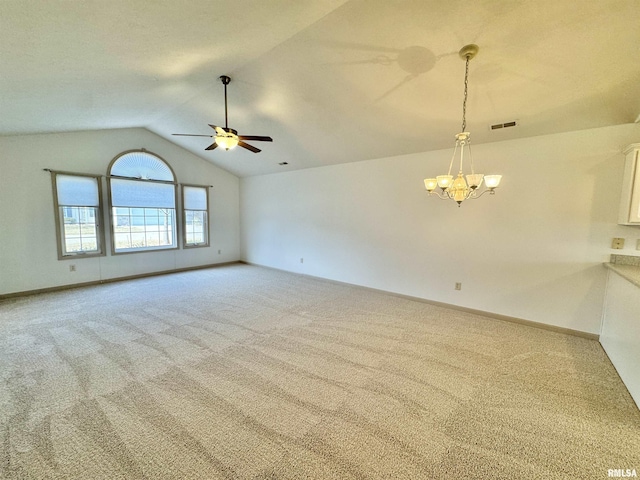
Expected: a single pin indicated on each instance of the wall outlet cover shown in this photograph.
(617, 243)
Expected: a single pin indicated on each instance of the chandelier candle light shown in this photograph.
(459, 189)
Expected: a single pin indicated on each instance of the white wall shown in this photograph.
(28, 255)
(533, 251)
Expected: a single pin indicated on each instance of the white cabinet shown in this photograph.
(620, 334)
(629, 213)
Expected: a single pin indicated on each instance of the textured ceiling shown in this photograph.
(331, 81)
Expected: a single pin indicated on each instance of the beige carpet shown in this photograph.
(245, 372)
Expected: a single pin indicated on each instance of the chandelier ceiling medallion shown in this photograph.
(459, 189)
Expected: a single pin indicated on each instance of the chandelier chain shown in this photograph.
(464, 102)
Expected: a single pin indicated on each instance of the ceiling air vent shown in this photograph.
(498, 126)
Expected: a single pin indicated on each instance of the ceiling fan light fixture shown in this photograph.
(228, 141)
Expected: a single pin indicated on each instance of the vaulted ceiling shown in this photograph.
(332, 81)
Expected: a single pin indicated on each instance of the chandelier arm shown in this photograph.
(468, 194)
(471, 159)
(441, 197)
(491, 191)
(461, 155)
(453, 157)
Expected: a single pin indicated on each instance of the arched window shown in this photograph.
(142, 196)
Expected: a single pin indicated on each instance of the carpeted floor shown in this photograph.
(246, 372)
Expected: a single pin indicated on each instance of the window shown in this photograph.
(143, 203)
(77, 203)
(195, 201)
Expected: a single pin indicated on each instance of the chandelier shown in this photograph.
(459, 189)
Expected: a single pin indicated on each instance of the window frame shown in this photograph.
(99, 217)
(207, 229)
(174, 183)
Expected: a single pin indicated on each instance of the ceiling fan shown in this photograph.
(226, 137)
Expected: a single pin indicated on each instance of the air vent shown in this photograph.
(283, 163)
(498, 126)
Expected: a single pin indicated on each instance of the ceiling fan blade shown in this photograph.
(257, 138)
(191, 135)
(213, 146)
(248, 147)
(219, 130)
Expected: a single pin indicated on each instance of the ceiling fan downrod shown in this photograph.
(225, 81)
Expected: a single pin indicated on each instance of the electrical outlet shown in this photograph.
(72, 268)
(458, 286)
(219, 252)
(617, 243)
(302, 260)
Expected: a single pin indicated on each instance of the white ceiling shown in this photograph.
(332, 81)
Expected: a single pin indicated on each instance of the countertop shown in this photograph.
(629, 272)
